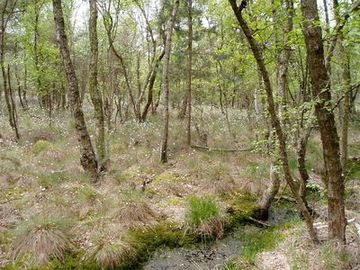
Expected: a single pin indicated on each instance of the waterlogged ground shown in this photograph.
(46, 195)
(204, 256)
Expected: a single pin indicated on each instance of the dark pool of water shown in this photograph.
(203, 256)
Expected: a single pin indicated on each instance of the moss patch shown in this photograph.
(148, 241)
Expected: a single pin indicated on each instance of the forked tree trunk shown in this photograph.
(151, 83)
(165, 83)
(258, 55)
(329, 137)
(95, 93)
(88, 158)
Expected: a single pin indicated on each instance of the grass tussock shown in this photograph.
(203, 217)
(108, 254)
(40, 239)
(135, 213)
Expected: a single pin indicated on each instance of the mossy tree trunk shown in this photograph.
(88, 158)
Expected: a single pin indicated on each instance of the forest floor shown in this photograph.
(53, 217)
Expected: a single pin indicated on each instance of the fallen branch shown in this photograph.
(259, 222)
(209, 149)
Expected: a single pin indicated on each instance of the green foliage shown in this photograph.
(353, 170)
(200, 210)
(257, 171)
(314, 189)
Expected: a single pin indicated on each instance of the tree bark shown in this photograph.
(330, 141)
(165, 83)
(95, 93)
(88, 158)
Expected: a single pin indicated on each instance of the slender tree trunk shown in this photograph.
(95, 94)
(258, 55)
(346, 106)
(25, 85)
(109, 29)
(151, 83)
(189, 70)
(36, 54)
(88, 158)
(12, 111)
(346, 78)
(184, 104)
(165, 81)
(330, 141)
(17, 77)
(304, 176)
(283, 62)
(8, 7)
(19, 92)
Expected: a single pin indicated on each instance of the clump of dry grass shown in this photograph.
(134, 213)
(213, 227)
(108, 254)
(41, 239)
